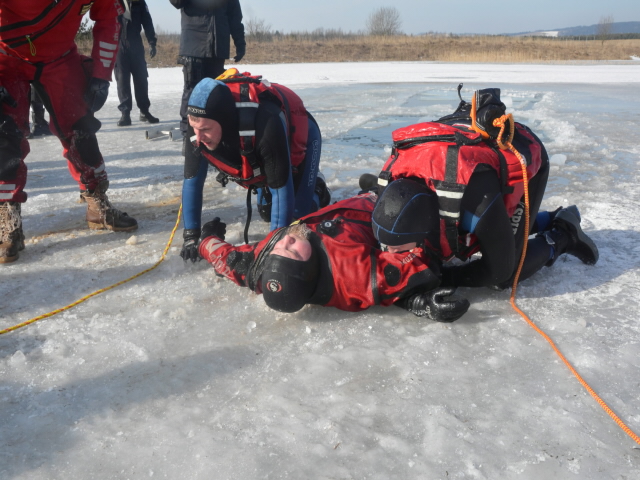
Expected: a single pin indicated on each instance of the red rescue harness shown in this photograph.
(445, 156)
(248, 91)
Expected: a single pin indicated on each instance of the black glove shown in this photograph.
(435, 305)
(97, 93)
(213, 228)
(152, 50)
(488, 108)
(240, 51)
(190, 246)
(5, 97)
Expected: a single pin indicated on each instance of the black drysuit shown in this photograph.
(130, 61)
(205, 43)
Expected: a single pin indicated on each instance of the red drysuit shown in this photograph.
(37, 47)
(355, 273)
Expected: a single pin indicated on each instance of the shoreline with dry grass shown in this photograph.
(435, 48)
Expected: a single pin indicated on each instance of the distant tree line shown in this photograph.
(384, 21)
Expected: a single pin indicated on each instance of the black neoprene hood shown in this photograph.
(407, 211)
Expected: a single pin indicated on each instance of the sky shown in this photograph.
(181, 374)
(421, 16)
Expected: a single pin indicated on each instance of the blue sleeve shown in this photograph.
(192, 196)
(282, 204)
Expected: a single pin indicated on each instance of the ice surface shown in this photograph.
(179, 374)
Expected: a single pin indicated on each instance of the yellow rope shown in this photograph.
(501, 122)
(102, 290)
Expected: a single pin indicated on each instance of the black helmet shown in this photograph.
(288, 284)
(407, 211)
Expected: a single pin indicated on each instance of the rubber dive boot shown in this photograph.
(579, 244)
(323, 192)
(368, 183)
(102, 215)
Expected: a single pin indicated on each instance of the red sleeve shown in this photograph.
(106, 32)
(400, 274)
(217, 252)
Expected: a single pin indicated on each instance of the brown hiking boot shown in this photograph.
(11, 236)
(102, 215)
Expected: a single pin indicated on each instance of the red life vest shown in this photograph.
(445, 156)
(248, 91)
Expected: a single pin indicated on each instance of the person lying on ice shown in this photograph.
(476, 186)
(259, 135)
(332, 258)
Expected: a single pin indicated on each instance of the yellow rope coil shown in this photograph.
(102, 290)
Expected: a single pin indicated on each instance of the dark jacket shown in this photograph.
(205, 32)
(140, 18)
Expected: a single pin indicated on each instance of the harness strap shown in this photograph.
(287, 111)
(449, 193)
(248, 222)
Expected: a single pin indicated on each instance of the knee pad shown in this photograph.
(10, 147)
(85, 142)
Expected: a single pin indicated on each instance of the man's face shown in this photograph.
(399, 248)
(293, 246)
(208, 132)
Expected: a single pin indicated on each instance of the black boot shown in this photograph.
(147, 117)
(125, 119)
(264, 204)
(567, 237)
(323, 192)
(264, 210)
(39, 129)
(368, 183)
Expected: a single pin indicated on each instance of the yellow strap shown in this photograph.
(230, 72)
(32, 47)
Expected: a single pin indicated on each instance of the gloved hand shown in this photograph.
(190, 246)
(214, 227)
(240, 51)
(97, 93)
(5, 97)
(438, 305)
(152, 50)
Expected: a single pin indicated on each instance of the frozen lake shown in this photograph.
(179, 374)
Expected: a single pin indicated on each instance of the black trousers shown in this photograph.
(130, 62)
(194, 70)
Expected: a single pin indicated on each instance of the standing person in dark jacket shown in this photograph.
(130, 61)
(205, 43)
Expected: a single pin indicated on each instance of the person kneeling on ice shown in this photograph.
(477, 187)
(332, 258)
(259, 135)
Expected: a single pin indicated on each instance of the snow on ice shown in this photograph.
(178, 374)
